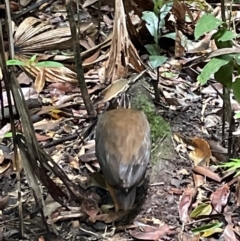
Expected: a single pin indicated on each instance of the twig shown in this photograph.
(78, 61)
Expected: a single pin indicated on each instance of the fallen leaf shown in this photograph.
(91, 209)
(42, 137)
(237, 193)
(150, 233)
(114, 89)
(184, 204)
(229, 234)
(109, 217)
(204, 171)
(219, 198)
(201, 153)
(40, 80)
(4, 202)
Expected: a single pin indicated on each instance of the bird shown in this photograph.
(123, 146)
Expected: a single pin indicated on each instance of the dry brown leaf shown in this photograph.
(91, 59)
(179, 49)
(237, 194)
(64, 87)
(204, 171)
(91, 209)
(4, 166)
(201, 153)
(229, 234)
(46, 124)
(109, 217)
(219, 198)
(151, 233)
(40, 80)
(4, 202)
(42, 137)
(122, 55)
(73, 162)
(114, 89)
(48, 109)
(184, 205)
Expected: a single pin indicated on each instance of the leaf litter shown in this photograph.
(188, 178)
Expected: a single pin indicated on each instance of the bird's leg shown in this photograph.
(114, 198)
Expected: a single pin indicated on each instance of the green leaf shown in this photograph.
(170, 35)
(206, 228)
(157, 60)
(236, 88)
(237, 58)
(157, 6)
(202, 209)
(153, 49)
(15, 62)
(10, 134)
(49, 64)
(226, 36)
(237, 115)
(206, 24)
(165, 9)
(151, 23)
(33, 59)
(211, 232)
(231, 165)
(210, 68)
(169, 75)
(224, 74)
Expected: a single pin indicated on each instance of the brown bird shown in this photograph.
(123, 145)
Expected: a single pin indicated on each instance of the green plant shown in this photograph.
(155, 21)
(237, 115)
(222, 66)
(32, 62)
(232, 164)
(159, 127)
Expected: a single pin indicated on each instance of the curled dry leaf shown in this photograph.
(4, 166)
(114, 89)
(219, 198)
(201, 153)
